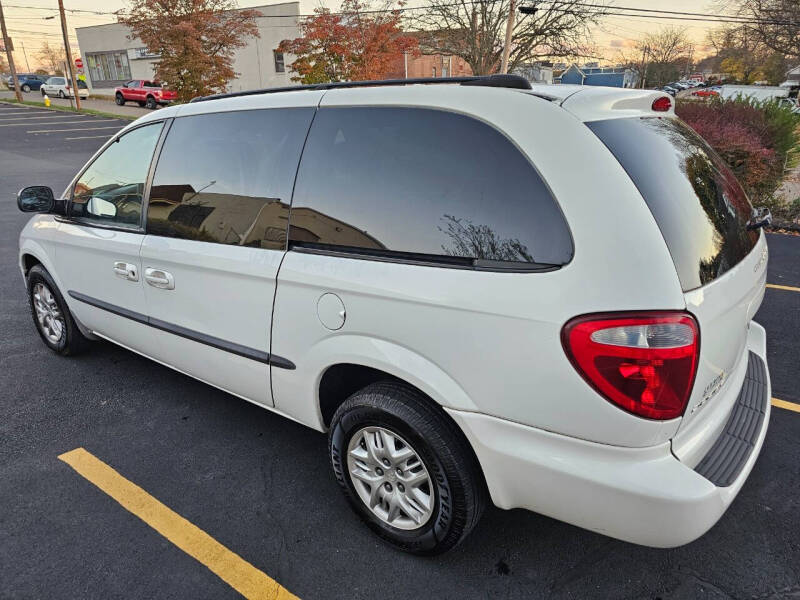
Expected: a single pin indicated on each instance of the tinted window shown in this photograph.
(227, 177)
(110, 191)
(697, 202)
(425, 182)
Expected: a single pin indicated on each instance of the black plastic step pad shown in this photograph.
(727, 457)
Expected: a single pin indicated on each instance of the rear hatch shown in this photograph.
(702, 213)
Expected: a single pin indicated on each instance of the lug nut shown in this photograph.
(386, 462)
(388, 486)
(379, 471)
(401, 487)
(399, 471)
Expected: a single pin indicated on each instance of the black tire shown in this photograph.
(72, 341)
(119, 99)
(61, 94)
(42, 90)
(26, 88)
(151, 103)
(459, 489)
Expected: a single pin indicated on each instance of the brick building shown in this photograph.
(432, 65)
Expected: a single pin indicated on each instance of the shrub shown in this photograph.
(755, 139)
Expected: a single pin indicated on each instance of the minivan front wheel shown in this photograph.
(405, 468)
(51, 316)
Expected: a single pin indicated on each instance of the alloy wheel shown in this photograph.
(390, 478)
(48, 314)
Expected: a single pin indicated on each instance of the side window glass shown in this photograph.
(430, 183)
(110, 191)
(227, 177)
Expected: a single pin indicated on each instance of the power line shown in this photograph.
(595, 9)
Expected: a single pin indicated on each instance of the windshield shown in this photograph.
(699, 206)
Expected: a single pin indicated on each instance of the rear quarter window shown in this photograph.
(699, 206)
(427, 185)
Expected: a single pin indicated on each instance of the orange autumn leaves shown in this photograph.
(357, 43)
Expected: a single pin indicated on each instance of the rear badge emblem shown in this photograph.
(761, 260)
(710, 391)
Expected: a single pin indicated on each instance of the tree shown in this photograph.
(773, 23)
(195, 40)
(475, 31)
(51, 58)
(740, 54)
(358, 43)
(661, 57)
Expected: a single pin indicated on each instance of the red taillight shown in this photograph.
(644, 363)
(662, 104)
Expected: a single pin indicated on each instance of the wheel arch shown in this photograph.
(32, 253)
(341, 380)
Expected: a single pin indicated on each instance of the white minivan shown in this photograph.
(541, 298)
(61, 87)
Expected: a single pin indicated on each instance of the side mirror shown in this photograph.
(99, 207)
(36, 198)
(761, 217)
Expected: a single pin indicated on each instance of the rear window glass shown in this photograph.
(696, 200)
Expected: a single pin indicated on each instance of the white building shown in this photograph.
(111, 58)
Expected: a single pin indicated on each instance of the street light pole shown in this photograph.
(10, 51)
(69, 54)
(512, 9)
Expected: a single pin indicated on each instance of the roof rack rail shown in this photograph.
(498, 80)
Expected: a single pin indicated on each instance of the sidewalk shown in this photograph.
(107, 106)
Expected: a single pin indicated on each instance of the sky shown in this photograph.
(29, 28)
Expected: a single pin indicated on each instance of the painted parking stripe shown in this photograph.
(226, 564)
(27, 117)
(788, 288)
(787, 405)
(70, 122)
(90, 137)
(78, 129)
(29, 123)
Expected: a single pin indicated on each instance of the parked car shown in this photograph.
(672, 91)
(706, 92)
(416, 270)
(62, 87)
(146, 93)
(27, 81)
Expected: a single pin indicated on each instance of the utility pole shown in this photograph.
(69, 54)
(645, 52)
(512, 9)
(25, 54)
(10, 51)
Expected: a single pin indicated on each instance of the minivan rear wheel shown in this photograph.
(405, 468)
(51, 315)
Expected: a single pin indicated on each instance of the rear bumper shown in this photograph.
(641, 495)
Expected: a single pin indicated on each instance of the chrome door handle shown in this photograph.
(160, 279)
(126, 271)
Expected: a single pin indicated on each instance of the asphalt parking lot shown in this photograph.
(261, 487)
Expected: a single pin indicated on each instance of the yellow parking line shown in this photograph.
(783, 287)
(227, 565)
(787, 405)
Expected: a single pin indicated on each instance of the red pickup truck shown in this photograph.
(146, 93)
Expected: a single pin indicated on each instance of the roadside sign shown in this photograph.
(79, 63)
